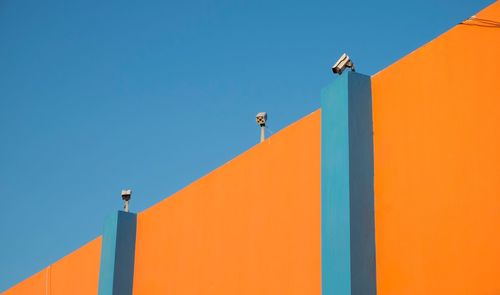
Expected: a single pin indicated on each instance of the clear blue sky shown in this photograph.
(96, 96)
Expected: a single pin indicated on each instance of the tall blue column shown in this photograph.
(347, 207)
(116, 274)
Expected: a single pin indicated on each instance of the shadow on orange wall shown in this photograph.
(250, 227)
(437, 165)
(75, 274)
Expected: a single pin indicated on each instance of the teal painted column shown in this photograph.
(347, 207)
(116, 274)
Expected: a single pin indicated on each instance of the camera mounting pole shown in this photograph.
(261, 119)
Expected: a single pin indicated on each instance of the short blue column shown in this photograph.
(347, 206)
(116, 274)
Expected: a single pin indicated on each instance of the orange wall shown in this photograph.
(437, 165)
(75, 274)
(34, 285)
(250, 227)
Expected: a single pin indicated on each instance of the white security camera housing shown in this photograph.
(126, 194)
(261, 118)
(343, 63)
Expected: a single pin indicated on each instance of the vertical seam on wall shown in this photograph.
(48, 275)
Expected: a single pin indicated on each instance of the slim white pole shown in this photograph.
(262, 133)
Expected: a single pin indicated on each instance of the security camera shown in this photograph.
(261, 119)
(126, 194)
(343, 63)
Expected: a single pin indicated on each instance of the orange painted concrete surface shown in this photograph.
(437, 164)
(250, 227)
(75, 274)
(36, 284)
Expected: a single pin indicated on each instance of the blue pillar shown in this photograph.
(116, 274)
(347, 208)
